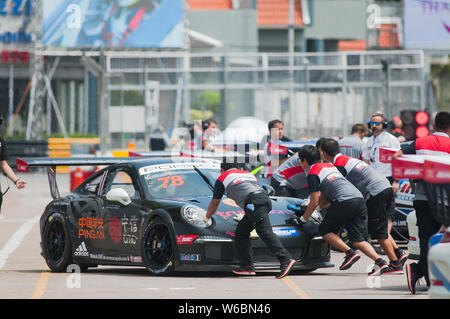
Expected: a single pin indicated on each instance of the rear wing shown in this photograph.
(23, 165)
(433, 172)
(155, 154)
(228, 157)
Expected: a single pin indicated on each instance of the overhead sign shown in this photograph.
(427, 24)
(119, 23)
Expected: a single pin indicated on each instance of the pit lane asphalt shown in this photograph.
(24, 274)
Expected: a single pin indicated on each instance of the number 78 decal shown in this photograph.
(175, 180)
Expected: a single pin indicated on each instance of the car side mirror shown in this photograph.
(269, 189)
(118, 195)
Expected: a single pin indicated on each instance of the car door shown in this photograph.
(85, 215)
(122, 235)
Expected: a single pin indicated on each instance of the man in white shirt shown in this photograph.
(380, 138)
(371, 155)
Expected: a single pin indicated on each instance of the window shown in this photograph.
(123, 180)
(92, 186)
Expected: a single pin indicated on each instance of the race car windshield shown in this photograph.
(180, 183)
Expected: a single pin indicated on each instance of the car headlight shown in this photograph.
(195, 216)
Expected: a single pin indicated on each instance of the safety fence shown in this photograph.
(313, 93)
(122, 96)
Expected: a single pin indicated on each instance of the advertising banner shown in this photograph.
(113, 23)
(19, 28)
(427, 24)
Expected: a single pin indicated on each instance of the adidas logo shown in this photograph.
(81, 251)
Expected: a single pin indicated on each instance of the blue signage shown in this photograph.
(11, 12)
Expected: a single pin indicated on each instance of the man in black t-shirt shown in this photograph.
(7, 170)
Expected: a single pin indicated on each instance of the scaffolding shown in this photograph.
(315, 94)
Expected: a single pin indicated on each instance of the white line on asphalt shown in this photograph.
(182, 288)
(16, 239)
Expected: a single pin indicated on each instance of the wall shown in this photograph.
(337, 19)
(237, 29)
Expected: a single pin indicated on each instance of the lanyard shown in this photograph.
(7, 189)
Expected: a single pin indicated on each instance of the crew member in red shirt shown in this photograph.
(437, 144)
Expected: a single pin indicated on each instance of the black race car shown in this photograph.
(150, 212)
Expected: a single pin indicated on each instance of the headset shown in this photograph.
(385, 122)
(205, 124)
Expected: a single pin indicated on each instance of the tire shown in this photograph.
(303, 271)
(158, 247)
(57, 247)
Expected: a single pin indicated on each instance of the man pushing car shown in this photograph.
(241, 186)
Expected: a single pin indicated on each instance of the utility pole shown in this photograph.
(291, 47)
(34, 128)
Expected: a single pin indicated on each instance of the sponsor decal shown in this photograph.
(404, 194)
(231, 213)
(81, 251)
(136, 259)
(91, 228)
(238, 213)
(404, 211)
(229, 201)
(109, 258)
(175, 180)
(412, 171)
(129, 229)
(282, 212)
(186, 239)
(115, 230)
(443, 175)
(176, 166)
(190, 257)
(285, 232)
(332, 177)
(399, 223)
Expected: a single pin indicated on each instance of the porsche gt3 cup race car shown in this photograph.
(150, 212)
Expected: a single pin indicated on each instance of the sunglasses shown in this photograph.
(375, 123)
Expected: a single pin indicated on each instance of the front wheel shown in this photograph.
(158, 247)
(56, 243)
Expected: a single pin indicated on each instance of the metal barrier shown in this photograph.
(314, 93)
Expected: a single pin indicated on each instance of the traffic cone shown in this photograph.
(77, 178)
(131, 146)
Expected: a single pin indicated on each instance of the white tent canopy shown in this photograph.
(243, 130)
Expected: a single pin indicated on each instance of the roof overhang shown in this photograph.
(200, 40)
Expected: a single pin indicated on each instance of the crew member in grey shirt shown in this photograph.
(242, 187)
(353, 144)
(378, 194)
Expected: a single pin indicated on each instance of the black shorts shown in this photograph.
(391, 209)
(350, 213)
(377, 212)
